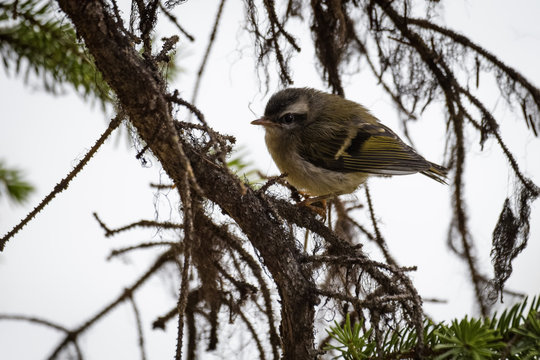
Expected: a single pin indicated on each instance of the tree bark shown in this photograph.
(142, 94)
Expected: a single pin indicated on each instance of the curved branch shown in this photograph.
(447, 83)
(493, 129)
(35, 320)
(466, 42)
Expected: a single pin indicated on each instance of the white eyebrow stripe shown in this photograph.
(299, 107)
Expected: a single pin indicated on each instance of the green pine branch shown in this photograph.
(244, 168)
(34, 41)
(512, 335)
(13, 185)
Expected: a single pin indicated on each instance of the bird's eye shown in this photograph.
(287, 118)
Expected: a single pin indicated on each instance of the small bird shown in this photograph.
(328, 145)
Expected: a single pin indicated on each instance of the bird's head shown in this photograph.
(287, 111)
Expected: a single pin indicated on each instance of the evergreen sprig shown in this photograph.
(243, 167)
(353, 346)
(34, 40)
(512, 335)
(13, 184)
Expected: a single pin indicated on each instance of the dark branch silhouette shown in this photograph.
(64, 183)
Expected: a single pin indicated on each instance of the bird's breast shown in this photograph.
(306, 176)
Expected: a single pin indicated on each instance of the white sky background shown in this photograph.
(55, 267)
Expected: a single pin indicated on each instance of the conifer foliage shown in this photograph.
(514, 335)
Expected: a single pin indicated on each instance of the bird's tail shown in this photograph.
(437, 173)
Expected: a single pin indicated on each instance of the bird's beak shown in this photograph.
(263, 121)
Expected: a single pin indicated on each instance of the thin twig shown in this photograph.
(207, 52)
(236, 244)
(142, 223)
(139, 326)
(372, 302)
(347, 260)
(162, 259)
(160, 322)
(249, 325)
(117, 252)
(174, 20)
(35, 320)
(493, 130)
(271, 181)
(162, 186)
(217, 140)
(466, 42)
(182, 300)
(189, 239)
(379, 240)
(447, 83)
(64, 183)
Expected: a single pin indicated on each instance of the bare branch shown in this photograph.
(182, 299)
(379, 240)
(139, 326)
(141, 223)
(64, 183)
(175, 21)
(204, 60)
(72, 335)
(118, 252)
(36, 320)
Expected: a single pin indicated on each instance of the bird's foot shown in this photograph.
(316, 204)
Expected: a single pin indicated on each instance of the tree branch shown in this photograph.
(64, 183)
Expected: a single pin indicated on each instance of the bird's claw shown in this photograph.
(316, 204)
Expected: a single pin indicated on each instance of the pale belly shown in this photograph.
(314, 180)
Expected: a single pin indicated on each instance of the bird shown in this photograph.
(328, 146)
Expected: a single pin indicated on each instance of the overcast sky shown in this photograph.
(56, 267)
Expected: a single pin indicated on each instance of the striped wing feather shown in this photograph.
(373, 149)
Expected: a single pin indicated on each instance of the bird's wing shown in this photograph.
(373, 148)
